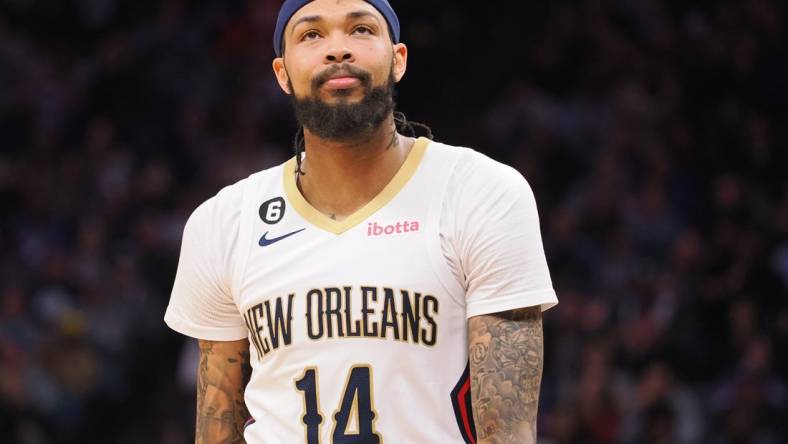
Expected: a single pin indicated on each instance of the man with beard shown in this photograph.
(376, 287)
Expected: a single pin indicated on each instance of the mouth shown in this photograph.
(340, 77)
(342, 81)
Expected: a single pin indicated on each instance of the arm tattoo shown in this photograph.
(222, 375)
(506, 359)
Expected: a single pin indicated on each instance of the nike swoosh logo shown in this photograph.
(264, 242)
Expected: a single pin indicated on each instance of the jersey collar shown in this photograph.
(322, 221)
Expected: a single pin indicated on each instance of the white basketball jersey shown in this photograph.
(357, 328)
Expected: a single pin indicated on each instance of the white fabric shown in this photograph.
(490, 238)
(201, 303)
(476, 250)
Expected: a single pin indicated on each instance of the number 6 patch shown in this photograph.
(272, 210)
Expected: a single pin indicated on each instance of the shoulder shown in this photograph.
(476, 174)
(221, 213)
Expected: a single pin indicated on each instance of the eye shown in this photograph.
(363, 30)
(310, 35)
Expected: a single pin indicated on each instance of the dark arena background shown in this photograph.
(653, 133)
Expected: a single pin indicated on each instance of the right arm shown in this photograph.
(202, 305)
(222, 376)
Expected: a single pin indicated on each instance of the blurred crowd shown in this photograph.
(652, 132)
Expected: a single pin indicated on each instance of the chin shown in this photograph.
(345, 95)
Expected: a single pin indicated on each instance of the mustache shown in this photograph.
(344, 68)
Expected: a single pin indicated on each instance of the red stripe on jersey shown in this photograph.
(464, 410)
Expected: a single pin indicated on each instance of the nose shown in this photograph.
(338, 52)
(339, 55)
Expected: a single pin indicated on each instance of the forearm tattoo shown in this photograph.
(506, 360)
(222, 376)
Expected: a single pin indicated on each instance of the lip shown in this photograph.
(343, 81)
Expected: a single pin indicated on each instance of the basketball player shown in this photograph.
(376, 287)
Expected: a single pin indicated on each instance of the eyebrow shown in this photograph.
(308, 19)
(316, 18)
(361, 14)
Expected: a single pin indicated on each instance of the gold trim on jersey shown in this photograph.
(320, 220)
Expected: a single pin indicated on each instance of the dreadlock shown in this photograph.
(401, 123)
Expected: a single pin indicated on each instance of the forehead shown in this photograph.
(328, 9)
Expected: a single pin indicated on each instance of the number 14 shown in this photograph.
(354, 419)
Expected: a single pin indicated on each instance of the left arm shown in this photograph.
(506, 360)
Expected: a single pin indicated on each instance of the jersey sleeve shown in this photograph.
(492, 239)
(201, 304)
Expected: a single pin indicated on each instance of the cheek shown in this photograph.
(304, 65)
(374, 53)
(377, 60)
(300, 75)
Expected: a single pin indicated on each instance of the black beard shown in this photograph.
(345, 121)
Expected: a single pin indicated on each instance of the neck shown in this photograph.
(341, 176)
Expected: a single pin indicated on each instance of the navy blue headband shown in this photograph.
(291, 6)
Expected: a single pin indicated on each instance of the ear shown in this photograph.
(281, 74)
(400, 60)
